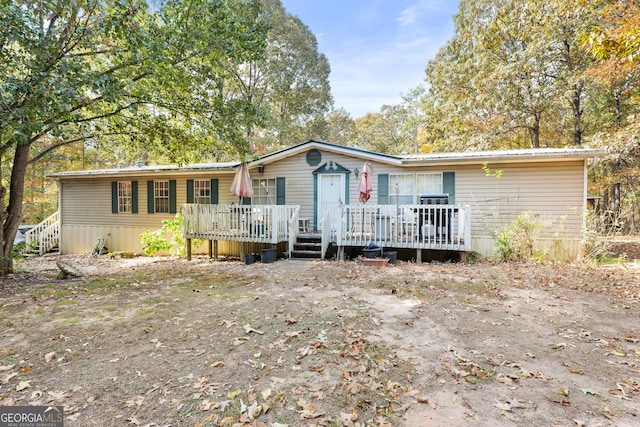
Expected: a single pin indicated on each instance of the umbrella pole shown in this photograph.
(397, 208)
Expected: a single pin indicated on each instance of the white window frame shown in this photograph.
(161, 196)
(125, 197)
(435, 185)
(202, 191)
(410, 186)
(264, 191)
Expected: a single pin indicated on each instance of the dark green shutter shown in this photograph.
(150, 198)
(134, 196)
(190, 191)
(346, 189)
(280, 190)
(246, 201)
(449, 186)
(114, 197)
(383, 189)
(214, 191)
(172, 196)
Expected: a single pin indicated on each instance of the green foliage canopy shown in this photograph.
(119, 72)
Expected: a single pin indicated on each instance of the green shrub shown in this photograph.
(167, 239)
(516, 242)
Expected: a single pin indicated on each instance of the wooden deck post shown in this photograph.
(419, 256)
(188, 249)
(210, 248)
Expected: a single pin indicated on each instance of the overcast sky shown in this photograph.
(377, 49)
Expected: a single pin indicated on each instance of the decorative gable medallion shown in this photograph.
(314, 157)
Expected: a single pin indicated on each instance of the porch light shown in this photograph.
(261, 168)
(356, 172)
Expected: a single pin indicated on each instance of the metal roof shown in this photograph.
(149, 169)
(520, 155)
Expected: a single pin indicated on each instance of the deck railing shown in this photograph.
(293, 229)
(327, 234)
(45, 235)
(440, 227)
(238, 223)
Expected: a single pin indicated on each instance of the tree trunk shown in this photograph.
(617, 97)
(577, 114)
(13, 214)
(534, 131)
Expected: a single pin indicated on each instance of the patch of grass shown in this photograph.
(54, 292)
(145, 312)
(71, 317)
(64, 303)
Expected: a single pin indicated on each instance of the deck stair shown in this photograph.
(307, 246)
(45, 237)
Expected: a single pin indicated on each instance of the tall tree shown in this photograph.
(389, 131)
(291, 81)
(117, 71)
(513, 74)
(615, 44)
(336, 127)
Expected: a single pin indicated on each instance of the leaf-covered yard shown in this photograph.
(161, 342)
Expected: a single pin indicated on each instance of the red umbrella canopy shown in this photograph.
(241, 185)
(364, 186)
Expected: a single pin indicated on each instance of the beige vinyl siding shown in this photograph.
(86, 211)
(553, 190)
(300, 179)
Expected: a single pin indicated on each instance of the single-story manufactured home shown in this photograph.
(430, 202)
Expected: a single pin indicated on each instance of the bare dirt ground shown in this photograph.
(162, 342)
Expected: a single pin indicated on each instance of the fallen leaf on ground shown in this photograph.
(266, 393)
(510, 404)
(308, 410)
(207, 405)
(234, 394)
(254, 410)
(23, 385)
(8, 377)
(134, 401)
(589, 391)
(249, 329)
(49, 356)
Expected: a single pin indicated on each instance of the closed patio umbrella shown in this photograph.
(364, 189)
(241, 185)
(364, 186)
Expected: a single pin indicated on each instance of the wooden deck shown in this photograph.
(432, 227)
(435, 227)
(240, 223)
